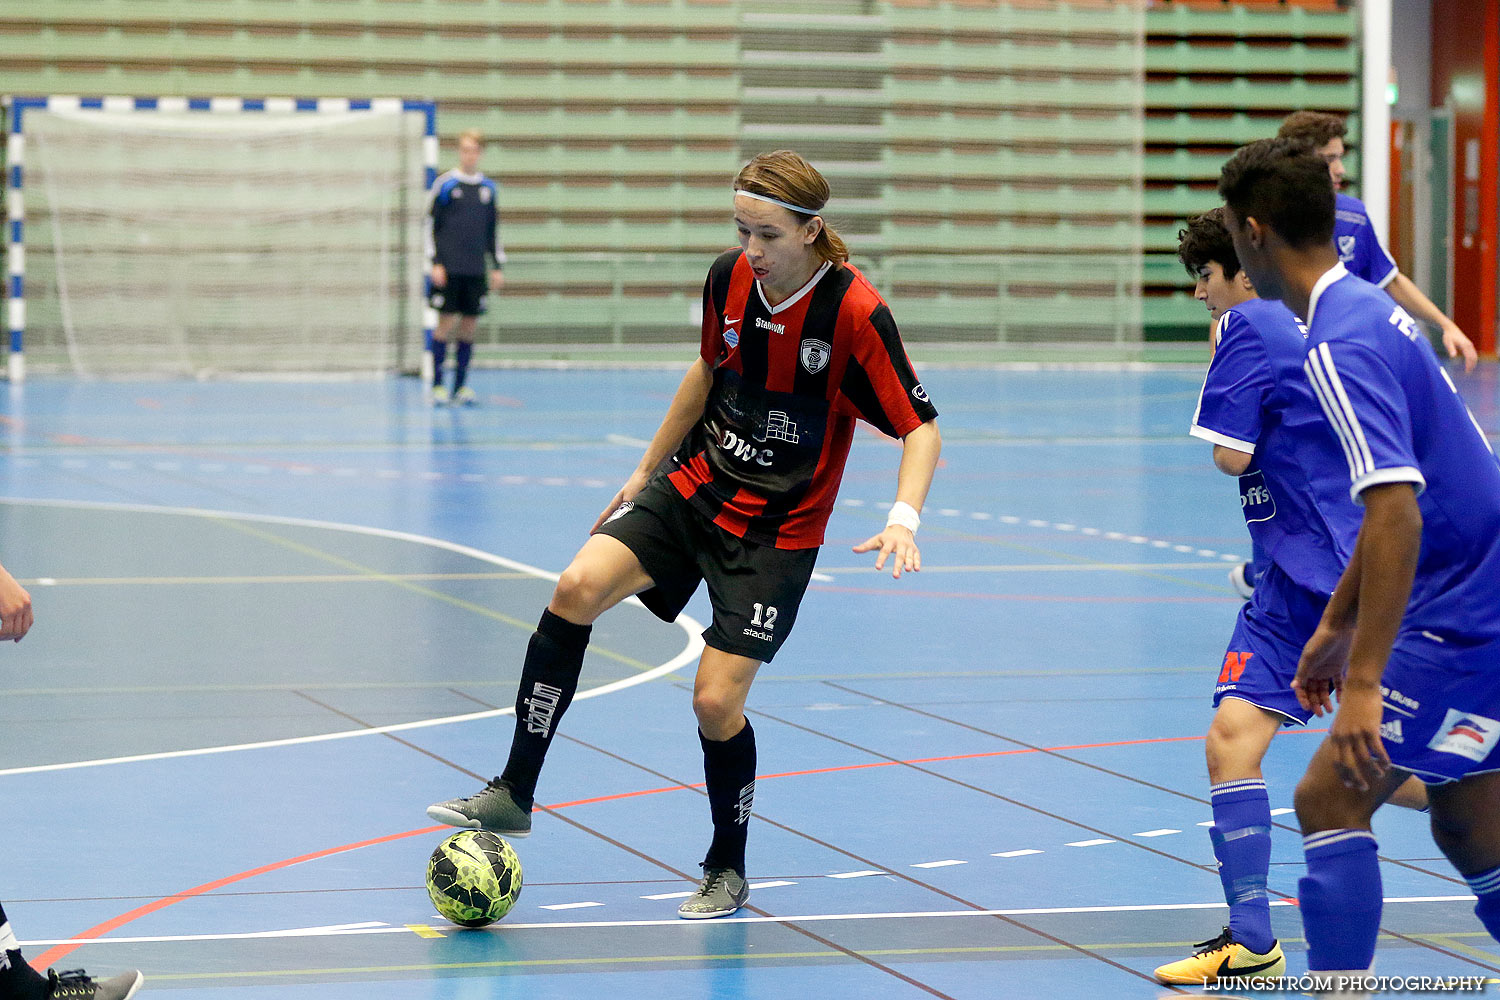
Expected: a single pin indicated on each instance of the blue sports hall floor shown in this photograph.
(275, 621)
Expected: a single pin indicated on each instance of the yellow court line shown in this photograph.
(424, 931)
(759, 956)
(1222, 566)
(133, 581)
(377, 576)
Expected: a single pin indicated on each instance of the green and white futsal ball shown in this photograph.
(474, 878)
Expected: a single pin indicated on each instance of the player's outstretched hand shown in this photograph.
(1320, 672)
(15, 608)
(633, 485)
(1359, 755)
(899, 544)
(1458, 344)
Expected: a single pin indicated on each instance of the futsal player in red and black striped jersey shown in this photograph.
(735, 490)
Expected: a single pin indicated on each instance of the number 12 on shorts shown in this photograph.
(769, 621)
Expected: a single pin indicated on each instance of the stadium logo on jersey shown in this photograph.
(779, 427)
(815, 355)
(1346, 248)
(1466, 734)
(732, 338)
(621, 511)
(1256, 499)
(920, 393)
(766, 324)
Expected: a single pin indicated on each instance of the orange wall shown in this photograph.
(1466, 75)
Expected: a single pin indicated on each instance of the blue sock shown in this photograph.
(465, 351)
(439, 355)
(1241, 836)
(1486, 885)
(1340, 896)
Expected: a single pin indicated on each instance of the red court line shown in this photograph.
(58, 952)
(1059, 598)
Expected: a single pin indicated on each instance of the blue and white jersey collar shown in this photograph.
(1334, 273)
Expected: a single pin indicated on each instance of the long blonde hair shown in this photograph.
(787, 177)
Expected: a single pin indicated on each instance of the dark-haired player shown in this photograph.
(1410, 639)
(1363, 254)
(1259, 414)
(1358, 245)
(735, 490)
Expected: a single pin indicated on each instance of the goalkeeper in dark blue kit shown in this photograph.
(466, 260)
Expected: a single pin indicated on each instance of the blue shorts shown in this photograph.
(1269, 634)
(1442, 707)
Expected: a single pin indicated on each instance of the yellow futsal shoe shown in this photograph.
(1223, 958)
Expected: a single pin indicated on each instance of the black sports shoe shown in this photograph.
(76, 985)
(493, 808)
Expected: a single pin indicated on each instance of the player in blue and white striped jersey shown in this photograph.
(1355, 238)
(1261, 417)
(1410, 639)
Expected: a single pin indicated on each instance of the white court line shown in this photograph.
(689, 653)
(698, 924)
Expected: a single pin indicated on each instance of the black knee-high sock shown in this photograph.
(439, 355)
(729, 770)
(549, 680)
(17, 979)
(461, 374)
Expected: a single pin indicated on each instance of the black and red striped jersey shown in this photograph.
(765, 460)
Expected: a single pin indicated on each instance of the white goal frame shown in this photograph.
(15, 169)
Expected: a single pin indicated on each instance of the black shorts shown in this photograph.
(466, 294)
(755, 589)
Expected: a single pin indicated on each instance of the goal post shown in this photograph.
(218, 236)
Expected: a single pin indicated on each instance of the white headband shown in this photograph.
(767, 198)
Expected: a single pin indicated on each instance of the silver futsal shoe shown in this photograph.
(492, 808)
(722, 892)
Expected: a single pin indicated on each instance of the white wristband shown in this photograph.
(904, 514)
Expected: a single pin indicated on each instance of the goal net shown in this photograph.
(223, 237)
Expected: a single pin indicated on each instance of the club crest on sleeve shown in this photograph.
(815, 355)
(920, 393)
(1466, 734)
(1346, 248)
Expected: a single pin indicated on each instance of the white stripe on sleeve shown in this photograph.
(1343, 400)
(1320, 389)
